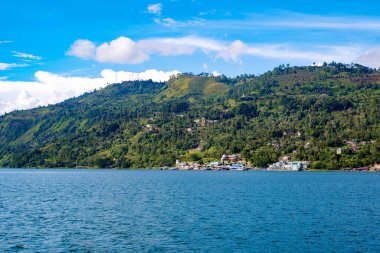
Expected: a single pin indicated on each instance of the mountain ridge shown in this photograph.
(306, 112)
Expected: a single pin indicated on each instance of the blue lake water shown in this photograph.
(176, 211)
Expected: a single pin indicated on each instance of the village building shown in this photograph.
(229, 158)
(289, 165)
(151, 128)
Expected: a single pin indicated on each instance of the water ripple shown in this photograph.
(174, 211)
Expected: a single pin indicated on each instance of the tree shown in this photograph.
(247, 109)
(264, 156)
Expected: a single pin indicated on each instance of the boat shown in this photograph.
(237, 167)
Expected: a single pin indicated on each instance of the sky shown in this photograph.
(54, 50)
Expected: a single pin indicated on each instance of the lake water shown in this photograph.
(176, 211)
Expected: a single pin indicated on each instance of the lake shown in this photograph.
(64, 210)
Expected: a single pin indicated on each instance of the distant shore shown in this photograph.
(371, 170)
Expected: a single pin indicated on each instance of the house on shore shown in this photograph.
(289, 165)
(229, 158)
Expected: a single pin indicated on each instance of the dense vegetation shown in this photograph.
(306, 112)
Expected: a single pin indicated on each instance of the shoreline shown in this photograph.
(170, 169)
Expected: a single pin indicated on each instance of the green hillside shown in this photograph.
(192, 87)
(305, 112)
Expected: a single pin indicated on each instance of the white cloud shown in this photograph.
(317, 64)
(289, 20)
(5, 41)
(215, 73)
(166, 21)
(233, 52)
(277, 20)
(155, 8)
(84, 49)
(298, 20)
(124, 50)
(121, 50)
(5, 66)
(176, 46)
(24, 55)
(155, 75)
(172, 23)
(51, 88)
(214, 12)
(344, 54)
(370, 58)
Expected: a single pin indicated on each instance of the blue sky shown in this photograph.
(67, 39)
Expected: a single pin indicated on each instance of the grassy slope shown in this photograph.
(192, 86)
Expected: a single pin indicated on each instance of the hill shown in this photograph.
(306, 112)
(192, 87)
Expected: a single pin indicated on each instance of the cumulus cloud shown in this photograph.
(155, 8)
(24, 55)
(124, 50)
(84, 49)
(121, 50)
(49, 88)
(5, 66)
(370, 58)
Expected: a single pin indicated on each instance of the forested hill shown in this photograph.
(306, 112)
